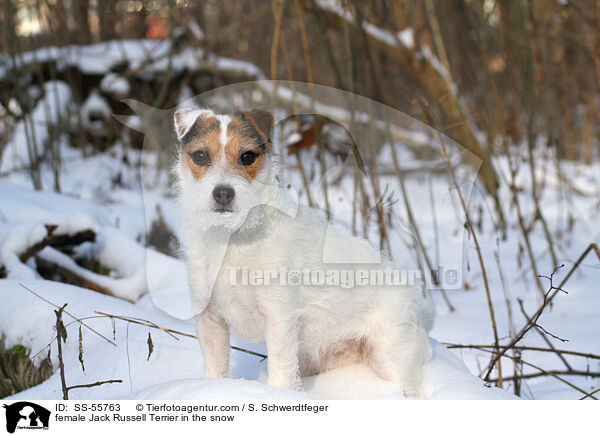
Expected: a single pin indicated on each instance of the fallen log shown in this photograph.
(50, 269)
(62, 242)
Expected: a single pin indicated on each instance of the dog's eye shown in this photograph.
(248, 158)
(200, 157)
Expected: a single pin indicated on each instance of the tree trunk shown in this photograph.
(106, 19)
(84, 35)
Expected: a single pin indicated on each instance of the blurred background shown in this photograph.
(513, 82)
(517, 70)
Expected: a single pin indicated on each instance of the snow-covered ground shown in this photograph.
(174, 369)
(103, 192)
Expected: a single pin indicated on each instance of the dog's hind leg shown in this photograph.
(213, 334)
(399, 354)
(282, 348)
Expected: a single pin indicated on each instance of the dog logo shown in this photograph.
(26, 415)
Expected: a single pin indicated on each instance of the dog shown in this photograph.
(237, 216)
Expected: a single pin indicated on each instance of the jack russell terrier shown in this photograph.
(238, 215)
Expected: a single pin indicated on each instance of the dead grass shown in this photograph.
(17, 370)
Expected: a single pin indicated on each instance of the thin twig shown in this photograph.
(72, 316)
(521, 221)
(277, 15)
(60, 337)
(254, 353)
(590, 394)
(176, 332)
(549, 373)
(128, 359)
(589, 248)
(91, 385)
(537, 314)
(511, 324)
(304, 41)
(473, 234)
(528, 348)
(140, 321)
(543, 333)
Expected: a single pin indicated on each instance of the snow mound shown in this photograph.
(135, 268)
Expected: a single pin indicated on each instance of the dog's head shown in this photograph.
(225, 167)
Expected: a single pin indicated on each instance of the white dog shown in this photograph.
(237, 217)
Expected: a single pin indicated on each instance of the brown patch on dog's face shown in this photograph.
(201, 145)
(246, 148)
(201, 153)
(248, 141)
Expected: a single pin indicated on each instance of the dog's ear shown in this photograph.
(261, 121)
(184, 119)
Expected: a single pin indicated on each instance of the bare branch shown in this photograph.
(57, 241)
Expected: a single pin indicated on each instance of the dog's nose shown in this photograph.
(223, 194)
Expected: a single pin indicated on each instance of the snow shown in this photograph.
(120, 221)
(435, 62)
(196, 30)
(115, 84)
(95, 111)
(380, 34)
(28, 320)
(336, 7)
(142, 56)
(16, 239)
(407, 37)
(236, 66)
(174, 370)
(403, 38)
(137, 268)
(22, 205)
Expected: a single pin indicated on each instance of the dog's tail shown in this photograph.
(427, 314)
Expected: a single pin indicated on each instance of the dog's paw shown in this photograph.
(215, 373)
(412, 393)
(413, 390)
(293, 384)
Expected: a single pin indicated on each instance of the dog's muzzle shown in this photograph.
(223, 195)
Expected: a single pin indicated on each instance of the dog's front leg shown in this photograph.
(281, 337)
(213, 334)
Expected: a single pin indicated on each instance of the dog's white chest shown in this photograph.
(237, 304)
(238, 308)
